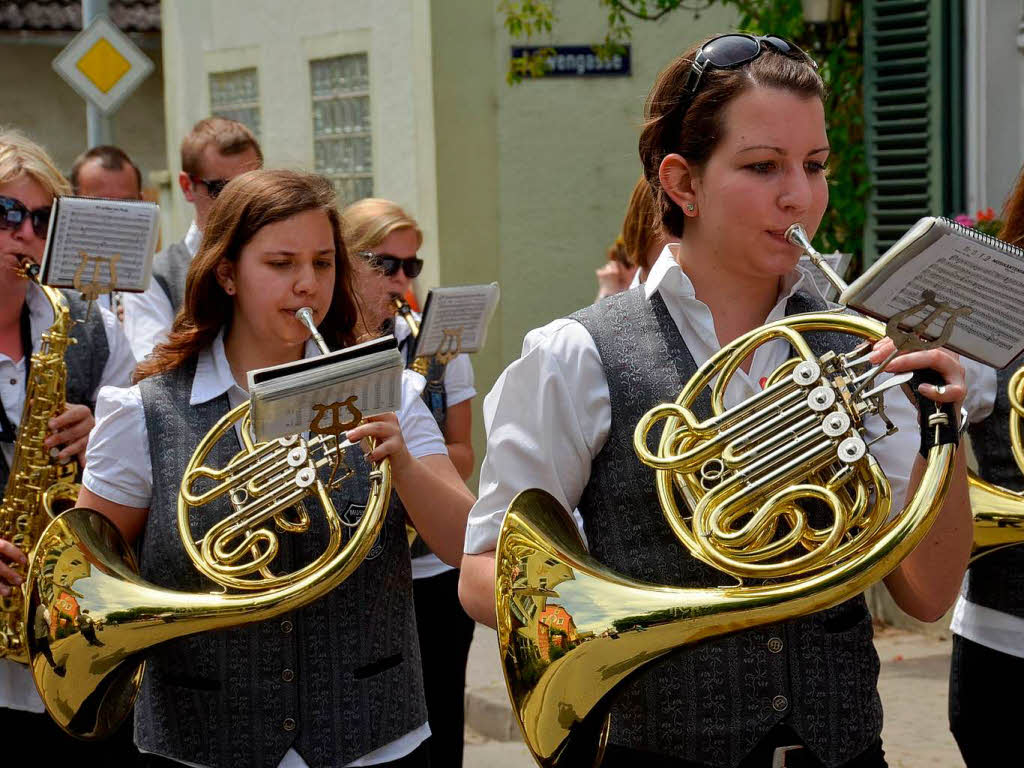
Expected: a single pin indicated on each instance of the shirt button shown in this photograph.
(288, 724)
(775, 645)
(287, 675)
(779, 703)
(13, 382)
(286, 626)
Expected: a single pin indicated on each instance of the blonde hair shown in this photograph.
(19, 156)
(368, 221)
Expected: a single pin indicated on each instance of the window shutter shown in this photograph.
(913, 64)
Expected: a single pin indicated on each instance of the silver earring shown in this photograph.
(689, 207)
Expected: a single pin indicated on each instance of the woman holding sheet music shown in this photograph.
(735, 151)
(387, 239)
(988, 622)
(338, 680)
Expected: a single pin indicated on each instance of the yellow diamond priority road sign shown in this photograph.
(103, 65)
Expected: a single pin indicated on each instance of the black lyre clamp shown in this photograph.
(335, 429)
(93, 289)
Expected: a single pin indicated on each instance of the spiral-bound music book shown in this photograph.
(461, 312)
(960, 267)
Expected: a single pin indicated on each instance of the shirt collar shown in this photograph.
(213, 371)
(39, 308)
(193, 238)
(668, 277)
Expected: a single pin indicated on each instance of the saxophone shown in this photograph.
(36, 482)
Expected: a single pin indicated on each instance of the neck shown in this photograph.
(245, 351)
(738, 302)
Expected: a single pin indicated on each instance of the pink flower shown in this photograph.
(964, 220)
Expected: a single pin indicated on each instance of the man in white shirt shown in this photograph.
(215, 151)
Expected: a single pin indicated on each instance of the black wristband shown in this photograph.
(938, 421)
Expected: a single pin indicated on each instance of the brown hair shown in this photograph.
(641, 228)
(248, 203)
(230, 137)
(1013, 214)
(370, 220)
(695, 132)
(110, 159)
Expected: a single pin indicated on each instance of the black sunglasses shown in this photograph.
(389, 265)
(13, 213)
(213, 186)
(733, 50)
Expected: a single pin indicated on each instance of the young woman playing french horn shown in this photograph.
(336, 682)
(735, 150)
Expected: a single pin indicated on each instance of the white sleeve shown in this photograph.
(120, 361)
(420, 431)
(458, 380)
(547, 417)
(117, 462)
(148, 317)
(895, 453)
(981, 390)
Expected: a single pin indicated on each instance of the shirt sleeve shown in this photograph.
(148, 317)
(981, 390)
(458, 380)
(117, 462)
(120, 361)
(420, 431)
(546, 418)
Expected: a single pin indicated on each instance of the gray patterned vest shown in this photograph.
(85, 361)
(334, 680)
(169, 269)
(711, 703)
(997, 580)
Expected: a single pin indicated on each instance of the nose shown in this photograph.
(399, 282)
(796, 194)
(24, 230)
(305, 280)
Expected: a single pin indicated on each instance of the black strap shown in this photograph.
(8, 434)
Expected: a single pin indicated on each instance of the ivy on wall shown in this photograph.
(837, 47)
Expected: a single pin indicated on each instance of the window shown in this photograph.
(342, 148)
(236, 96)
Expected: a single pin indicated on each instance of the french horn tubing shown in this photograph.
(91, 617)
(733, 488)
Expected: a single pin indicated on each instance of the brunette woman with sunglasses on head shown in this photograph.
(735, 150)
(336, 682)
(100, 356)
(387, 239)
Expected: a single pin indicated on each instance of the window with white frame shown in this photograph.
(342, 140)
(236, 96)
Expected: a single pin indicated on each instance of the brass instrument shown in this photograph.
(91, 617)
(421, 364)
(37, 482)
(999, 512)
(744, 475)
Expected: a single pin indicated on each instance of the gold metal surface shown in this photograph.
(92, 618)
(421, 364)
(37, 483)
(733, 489)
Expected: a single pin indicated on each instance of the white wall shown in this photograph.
(280, 39)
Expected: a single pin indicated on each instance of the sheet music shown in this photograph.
(465, 310)
(961, 273)
(89, 235)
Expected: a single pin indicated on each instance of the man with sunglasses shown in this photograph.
(215, 151)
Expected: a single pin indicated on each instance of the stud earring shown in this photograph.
(689, 207)
(229, 290)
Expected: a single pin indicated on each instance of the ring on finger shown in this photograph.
(941, 389)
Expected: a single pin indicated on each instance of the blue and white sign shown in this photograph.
(579, 61)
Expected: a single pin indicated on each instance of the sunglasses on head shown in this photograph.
(734, 50)
(213, 186)
(13, 213)
(389, 265)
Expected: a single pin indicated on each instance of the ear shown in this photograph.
(186, 186)
(225, 272)
(679, 179)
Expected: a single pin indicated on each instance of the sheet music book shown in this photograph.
(961, 266)
(838, 261)
(457, 314)
(342, 386)
(95, 245)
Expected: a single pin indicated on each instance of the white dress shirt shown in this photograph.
(148, 316)
(17, 691)
(549, 412)
(118, 467)
(994, 629)
(458, 386)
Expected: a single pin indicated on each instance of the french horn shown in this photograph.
(735, 489)
(90, 616)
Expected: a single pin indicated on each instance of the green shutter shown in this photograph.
(913, 115)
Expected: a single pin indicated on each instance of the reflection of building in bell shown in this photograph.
(556, 632)
(534, 581)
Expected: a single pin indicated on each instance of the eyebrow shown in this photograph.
(285, 252)
(780, 150)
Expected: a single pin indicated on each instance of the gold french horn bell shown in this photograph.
(91, 617)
